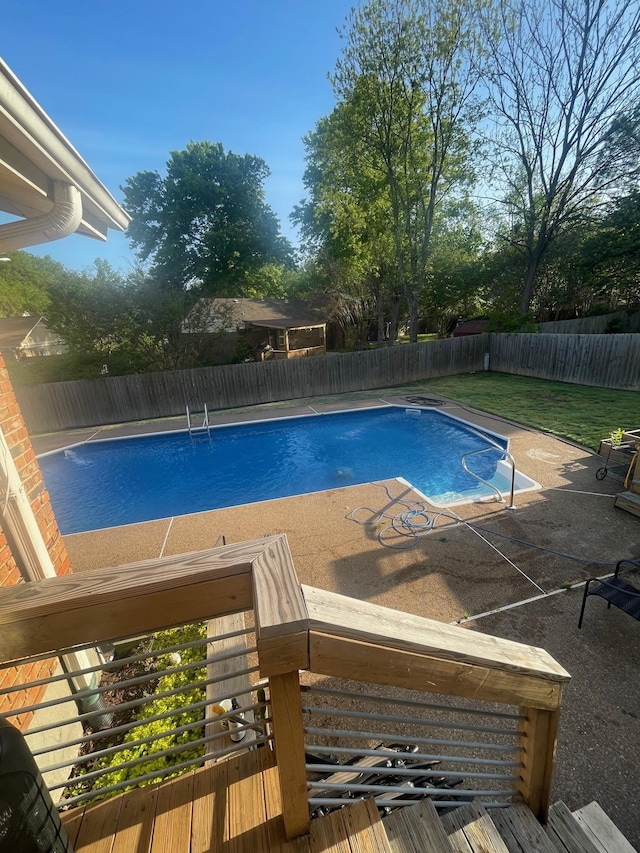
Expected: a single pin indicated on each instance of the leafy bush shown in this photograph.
(161, 730)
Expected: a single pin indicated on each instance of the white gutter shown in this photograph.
(32, 132)
(63, 219)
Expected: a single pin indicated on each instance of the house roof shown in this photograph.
(13, 330)
(35, 156)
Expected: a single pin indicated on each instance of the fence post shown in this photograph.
(286, 713)
(537, 736)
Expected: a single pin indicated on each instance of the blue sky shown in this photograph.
(128, 82)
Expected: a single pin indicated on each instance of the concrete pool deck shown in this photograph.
(458, 573)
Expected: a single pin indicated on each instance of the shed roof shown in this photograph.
(274, 313)
(470, 327)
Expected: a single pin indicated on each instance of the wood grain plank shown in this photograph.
(330, 613)
(71, 821)
(286, 712)
(279, 605)
(601, 830)
(209, 809)
(466, 830)
(364, 828)
(416, 828)
(98, 827)
(521, 831)
(279, 655)
(273, 806)
(246, 811)
(135, 822)
(328, 834)
(279, 599)
(402, 837)
(345, 658)
(538, 737)
(234, 685)
(58, 612)
(564, 828)
(174, 809)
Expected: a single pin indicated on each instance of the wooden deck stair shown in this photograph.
(235, 806)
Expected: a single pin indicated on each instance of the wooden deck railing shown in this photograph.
(297, 628)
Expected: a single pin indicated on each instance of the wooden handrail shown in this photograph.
(145, 596)
(296, 628)
(356, 639)
(282, 621)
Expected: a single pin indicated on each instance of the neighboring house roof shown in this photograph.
(14, 331)
(470, 327)
(270, 313)
(42, 176)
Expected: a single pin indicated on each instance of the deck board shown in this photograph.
(246, 826)
(98, 826)
(231, 806)
(174, 807)
(209, 809)
(135, 821)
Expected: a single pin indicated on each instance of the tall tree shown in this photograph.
(206, 222)
(25, 282)
(345, 219)
(408, 64)
(92, 311)
(563, 78)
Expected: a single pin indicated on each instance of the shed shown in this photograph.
(470, 327)
(273, 328)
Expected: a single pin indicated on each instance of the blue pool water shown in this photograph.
(106, 483)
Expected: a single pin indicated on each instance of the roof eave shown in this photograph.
(34, 154)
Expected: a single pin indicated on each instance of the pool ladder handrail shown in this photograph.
(205, 423)
(507, 457)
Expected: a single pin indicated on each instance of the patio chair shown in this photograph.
(615, 591)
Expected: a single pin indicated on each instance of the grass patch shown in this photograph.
(404, 339)
(581, 413)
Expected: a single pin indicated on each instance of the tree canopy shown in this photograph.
(563, 79)
(25, 282)
(205, 223)
(408, 74)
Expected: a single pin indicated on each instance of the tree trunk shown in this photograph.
(412, 303)
(393, 325)
(529, 280)
(380, 311)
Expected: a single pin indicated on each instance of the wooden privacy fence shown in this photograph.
(607, 361)
(592, 325)
(65, 405)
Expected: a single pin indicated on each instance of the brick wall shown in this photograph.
(17, 437)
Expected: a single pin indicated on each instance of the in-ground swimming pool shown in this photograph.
(120, 481)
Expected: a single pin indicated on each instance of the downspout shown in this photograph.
(63, 219)
(35, 563)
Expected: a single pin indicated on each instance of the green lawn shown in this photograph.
(404, 339)
(578, 412)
